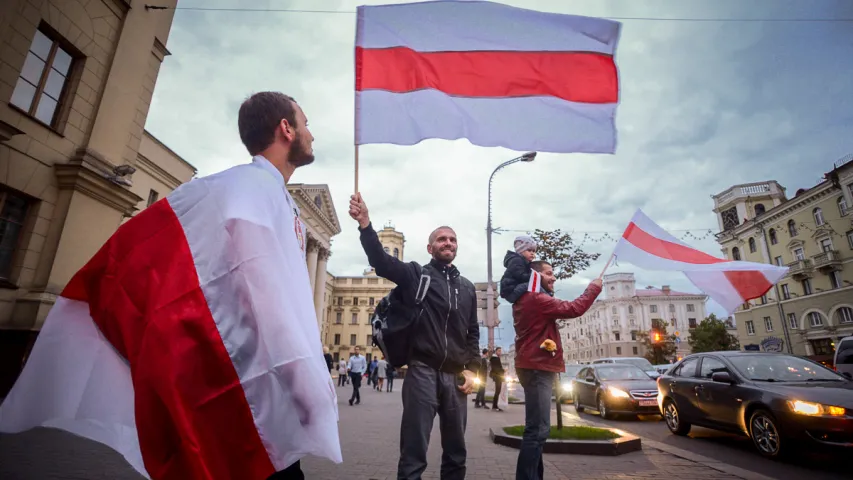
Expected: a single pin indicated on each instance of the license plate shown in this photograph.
(648, 403)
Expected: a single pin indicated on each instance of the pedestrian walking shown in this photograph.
(480, 399)
(328, 357)
(444, 345)
(392, 372)
(342, 373)
(496, 371)
(381, 373)
(357, 367)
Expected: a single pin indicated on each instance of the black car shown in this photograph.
(774, 398)
(615, 388)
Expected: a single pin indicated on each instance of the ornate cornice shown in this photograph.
(7, 131)
(160, 51)
(157, 171)
(328, 218)
(88, 173)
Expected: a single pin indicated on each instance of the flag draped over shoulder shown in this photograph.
(494, 74)
(189, 342)
(730, 283)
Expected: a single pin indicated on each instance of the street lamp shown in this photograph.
(490, 291)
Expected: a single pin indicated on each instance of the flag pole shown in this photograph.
(356, 169)
(607, 265)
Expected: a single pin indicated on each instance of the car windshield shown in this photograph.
(621, 372)
(572, 370)
(782, 368)
(638, 362)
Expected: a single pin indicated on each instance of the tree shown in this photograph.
(559, 250)
(659, 345)
(711, 335)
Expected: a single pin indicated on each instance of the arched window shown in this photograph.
(630, 309)
(842, 206)
(396, 253)
(751, 245)
(735, 253)
(815, 319)
(818, 216)
(792, 228)
(773, 240)
(759, 209)
(844, 315)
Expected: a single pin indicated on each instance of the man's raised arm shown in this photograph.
(556, 309)
(386, 266)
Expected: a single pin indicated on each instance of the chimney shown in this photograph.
(665, 289)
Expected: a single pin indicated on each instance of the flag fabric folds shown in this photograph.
(494, 74)
(189, 342)
(535, 283)
(730, 283)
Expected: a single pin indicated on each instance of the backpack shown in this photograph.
(394, 322)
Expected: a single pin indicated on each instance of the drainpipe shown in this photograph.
(778, 296)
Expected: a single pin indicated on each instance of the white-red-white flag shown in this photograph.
(535, 283)
(730, 283)
(189, 342)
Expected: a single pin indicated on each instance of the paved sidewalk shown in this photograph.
(370, 443)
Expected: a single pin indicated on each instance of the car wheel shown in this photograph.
(673, 419)
(765, 434)
(603, 411)
(578, 407)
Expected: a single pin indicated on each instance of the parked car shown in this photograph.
(615, 388)
(663, 367)
(844, 357)
(565, 391)
(640, 362)
(776, 399)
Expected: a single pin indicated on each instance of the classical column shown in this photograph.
(311, 259)
(320, 285)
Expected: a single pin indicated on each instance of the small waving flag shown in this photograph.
(535, 283)
(730, 283)
(494, 74)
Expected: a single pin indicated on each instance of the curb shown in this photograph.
(696, 458)
(626, 443)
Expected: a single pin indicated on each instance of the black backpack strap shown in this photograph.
(423, 285)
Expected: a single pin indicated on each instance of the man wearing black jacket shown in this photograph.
(444, 348)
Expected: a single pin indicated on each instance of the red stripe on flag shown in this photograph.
(666, 249)
(535, 287)
(583, 77)
(748, 283)
(191, 412)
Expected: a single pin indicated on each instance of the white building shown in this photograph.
(610, 327)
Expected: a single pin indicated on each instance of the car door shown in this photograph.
(682, 386)
(586, 380)
(719, 404)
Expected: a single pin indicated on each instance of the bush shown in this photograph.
(568, 433)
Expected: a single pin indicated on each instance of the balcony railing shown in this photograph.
(800, 268)
(829, 259)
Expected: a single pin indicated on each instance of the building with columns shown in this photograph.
(611, 326)
(76, 81)
(812, 234)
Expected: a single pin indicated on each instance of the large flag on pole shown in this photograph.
(494, 74)
(189, 342)
(730, 283)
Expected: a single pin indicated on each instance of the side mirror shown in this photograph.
(722, 377)
(590, 379)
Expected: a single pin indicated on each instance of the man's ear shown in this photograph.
(287, 130)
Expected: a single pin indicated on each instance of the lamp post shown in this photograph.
(490, 291)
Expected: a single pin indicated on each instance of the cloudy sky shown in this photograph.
(704, 105)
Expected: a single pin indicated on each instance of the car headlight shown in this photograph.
(618, 393)
(567, 387)
(814, 409)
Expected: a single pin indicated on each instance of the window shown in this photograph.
(635, 350)
(396, 253)
(792, 228)
(671, 308)
(691, 307)
(369, 340)
(631, 309)
(337, 339)
(751, 245)
(354, 319)
(340, 300)
(653, 309)
(318, 201)
(844, 315)
(835, 279)
(768, 324)
(387, 250)
(799, 254)
(778, 261)
(13, 213)
(42, 86)
(338, 319)
(370, 301)
(773, 239)
(850, 239)
(152, 197)
(786, 294)
(807, 287)
(822, 346)
(355, 301)
(817, 213)
(673, 322)
(352, 339)
(735, 253)
(764, 299)
(687, 368)
(634, 337)
(842, 206)
(793, 322)
(815, 319)
(750, 327)
(826, 245)
(618, 350)
(759, 209)
(710, 366)
(613, 310)
(616, 335)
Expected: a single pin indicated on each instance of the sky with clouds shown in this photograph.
(704, 105)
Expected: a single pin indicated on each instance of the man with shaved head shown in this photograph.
(445, 341)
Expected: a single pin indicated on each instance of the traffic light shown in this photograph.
(656, 337)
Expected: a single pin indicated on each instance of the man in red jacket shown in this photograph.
(538, 356)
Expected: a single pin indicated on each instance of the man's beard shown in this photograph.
(299, 156)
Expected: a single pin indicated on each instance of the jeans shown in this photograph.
(480, 399)
(426, 392)
(497, 392)
(356, 384)
(538, 386)
(390, 383)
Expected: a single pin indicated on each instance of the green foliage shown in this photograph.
(569, 433)
(711, 336)
(662, 351)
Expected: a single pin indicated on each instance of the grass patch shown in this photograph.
(568, 433)
(490, 398)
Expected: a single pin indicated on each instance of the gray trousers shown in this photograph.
(427, 391)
